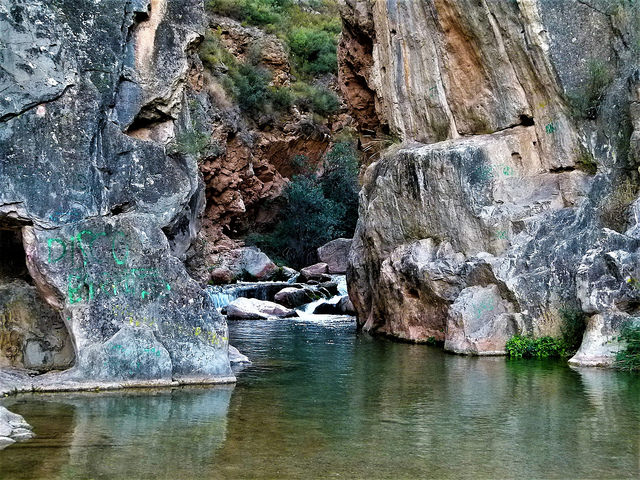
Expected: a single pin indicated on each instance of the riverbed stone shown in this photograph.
(317, 272)
(292, 297)
(236, 357)
(254, 309)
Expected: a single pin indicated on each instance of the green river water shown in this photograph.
(321, 401)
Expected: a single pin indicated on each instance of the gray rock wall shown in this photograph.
(528, 116)
(93, 93)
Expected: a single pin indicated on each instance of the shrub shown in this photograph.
(250, 88)
(213, 54)
(527, 347)
(314, 51)
(340, 182)
(317, 99)
(282, 98)
(191, 142)
(317, 210)
(629, 358)
(309, 220)
(255, 12)
(585, 104)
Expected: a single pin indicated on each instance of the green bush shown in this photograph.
(528, 347)
(629, 358)
(316, 99)
(308, 221)
(340, 183)
(318, 209)
(213, 54)
(250, 88)
(314, 51)
(255, 12)
(309, 29)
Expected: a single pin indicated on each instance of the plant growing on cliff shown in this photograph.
(340, 183)
(309, 220)
(585, 103)
(629, 358)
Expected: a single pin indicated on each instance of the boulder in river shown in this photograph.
(335, 254)
(254, 309)
(294, 296)
(13, 428)
(235, 357)
(317, 272)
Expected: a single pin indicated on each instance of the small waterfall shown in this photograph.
(341, 280)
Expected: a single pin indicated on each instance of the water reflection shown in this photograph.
(321, 401)
(136, 434)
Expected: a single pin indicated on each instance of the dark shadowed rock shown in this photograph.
(294, 296)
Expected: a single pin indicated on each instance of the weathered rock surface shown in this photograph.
(13, 428)
(335, 254)
(481, 322)
(254, 309)
(517, 187)
(32, 334)
(105, 209)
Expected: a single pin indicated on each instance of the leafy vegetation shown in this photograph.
(527, 347)
(629, 358)
(585, 104)
(572, 329)
(248, 83)
(319, 209)
(309, 28)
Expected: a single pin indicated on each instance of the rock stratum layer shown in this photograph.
(513, 198)
(92, 95)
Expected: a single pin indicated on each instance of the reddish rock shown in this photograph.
(315, 272)
(335, 254)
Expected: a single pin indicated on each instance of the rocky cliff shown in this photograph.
(92, 193)
(513, 197)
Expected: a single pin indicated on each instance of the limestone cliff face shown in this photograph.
(92, 95)
(492, 216)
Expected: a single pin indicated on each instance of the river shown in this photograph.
(322, 401)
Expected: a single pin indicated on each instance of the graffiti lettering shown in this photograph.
(119, 248)
(143, 282)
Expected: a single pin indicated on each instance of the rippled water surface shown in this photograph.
(321, 401)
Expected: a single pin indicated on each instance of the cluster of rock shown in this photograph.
(507, 203)
(280, 300)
